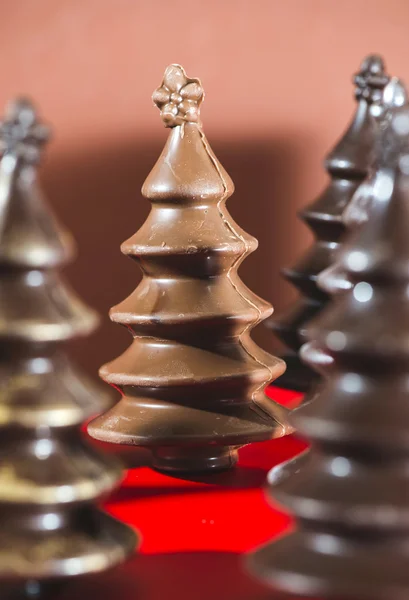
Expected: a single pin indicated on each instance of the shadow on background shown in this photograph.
(96, 195)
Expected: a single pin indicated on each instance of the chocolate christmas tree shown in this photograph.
(350, 501)
(192, 382)
(50, 479)
(334, 279)
(347, 166)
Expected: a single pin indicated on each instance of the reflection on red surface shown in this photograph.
(225, 512)
(193, 530)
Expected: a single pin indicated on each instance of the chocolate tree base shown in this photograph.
(186, 439)
(193, 459)
(333, 566)
(298, 376)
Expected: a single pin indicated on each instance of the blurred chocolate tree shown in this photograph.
(50, 479)
(349, 498)
(347, 165)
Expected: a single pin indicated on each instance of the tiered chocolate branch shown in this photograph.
(193, 381)
(347, 166)
(50, 479)
(351, 501)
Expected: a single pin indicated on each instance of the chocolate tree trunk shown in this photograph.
(192, 381)
(350, 501)
(347, 166)
(50, 479)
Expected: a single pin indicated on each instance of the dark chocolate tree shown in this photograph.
(50, 479)
(334, 279)
(351, 498)
(347, 166)
(193, 381)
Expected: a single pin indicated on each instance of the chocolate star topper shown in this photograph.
(371, 79)
(179, 97)
(21, 133)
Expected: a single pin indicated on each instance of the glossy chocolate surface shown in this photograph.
(50, 479)
(192, 381)
(347, 165)
(350, 499)
(334, 280)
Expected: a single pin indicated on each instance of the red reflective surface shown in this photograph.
(194, 530)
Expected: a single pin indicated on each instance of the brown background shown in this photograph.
(277, 75)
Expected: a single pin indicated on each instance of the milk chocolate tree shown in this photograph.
(347, 166)
(192, 381)
(350, 500)
(50, 478)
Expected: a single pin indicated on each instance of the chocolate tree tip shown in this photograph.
(178, 97)
(371, 78)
